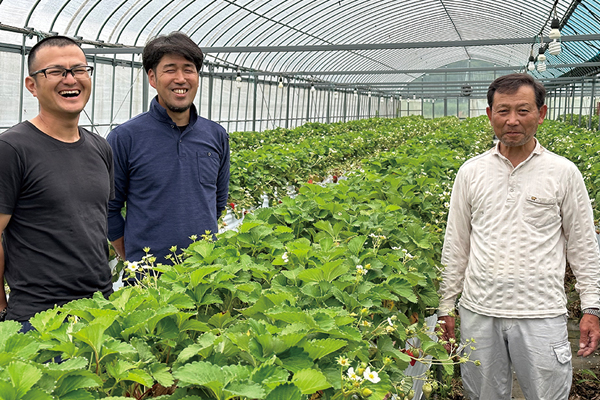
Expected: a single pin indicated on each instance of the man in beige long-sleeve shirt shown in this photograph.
(518, 212)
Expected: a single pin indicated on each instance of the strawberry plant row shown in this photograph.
(320, 294)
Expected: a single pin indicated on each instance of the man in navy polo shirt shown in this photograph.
(171, 165)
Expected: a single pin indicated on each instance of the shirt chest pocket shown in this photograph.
(208, 167)
(540, 211)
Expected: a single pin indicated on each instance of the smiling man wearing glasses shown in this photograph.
(56, 179)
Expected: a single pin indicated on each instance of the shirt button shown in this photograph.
(209, 153)
(512, 190)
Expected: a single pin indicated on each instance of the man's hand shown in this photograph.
(590, 335)
(447, 326)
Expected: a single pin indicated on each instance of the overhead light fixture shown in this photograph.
(414, 96)
(554, 46)
(541, 58)
(280, 85)
(312, 87)
(355, 93)
(368, 94)
(381, 100)
(555, 25)
(238, 80)
(531, 63)
(335, 95)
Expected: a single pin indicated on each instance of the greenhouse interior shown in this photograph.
(348, 122)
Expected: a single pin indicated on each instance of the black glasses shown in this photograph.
(56, 73)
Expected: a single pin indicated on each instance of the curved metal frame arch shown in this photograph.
(295, 61)
(85, 16)
(129, 19)
(135, 43)
(326, 58)
(292, 31)
(58, 14)
(74, 17)
(200, 24)
(260, 59)
(331, 28)
(109, 18)
(31, 11)
(139, 11)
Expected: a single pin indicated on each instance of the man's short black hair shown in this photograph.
(57, 41)
(173, 43)
(512, 82)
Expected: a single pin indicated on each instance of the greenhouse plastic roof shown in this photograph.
(341, 41)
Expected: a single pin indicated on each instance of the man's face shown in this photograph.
(60, 96)
(176, 81)
(515, 116)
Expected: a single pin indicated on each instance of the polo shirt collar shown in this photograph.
(538, 149)
(159, 112)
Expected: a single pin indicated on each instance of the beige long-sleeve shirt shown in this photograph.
(510, 232)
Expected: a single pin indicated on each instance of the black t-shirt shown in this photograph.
(57, 194)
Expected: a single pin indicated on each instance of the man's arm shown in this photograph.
(583, 257)
(223, 178)
(3, 223)
(455, 256)
(447, 327)
(589, 328)
(116, 222)
(119, 246)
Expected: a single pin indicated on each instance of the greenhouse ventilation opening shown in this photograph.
(281, 63)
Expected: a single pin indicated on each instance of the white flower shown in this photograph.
(371, 375)
(353, 376)
(360, 269)
(132, 266)
(390, 321)
(284, 257)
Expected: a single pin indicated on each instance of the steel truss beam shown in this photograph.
(363, 46)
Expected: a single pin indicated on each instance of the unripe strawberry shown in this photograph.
(427, 389)
(366, 392)
(410, 395)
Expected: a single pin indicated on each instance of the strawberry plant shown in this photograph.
(319, 294)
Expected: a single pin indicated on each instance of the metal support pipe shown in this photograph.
(211, 82)
(112, 93)
(572, 101)
(308, 98)
(200, 87)
(255, 103)
(131, 80)
(23, 50)
(559, 102)
(287, 107)
(328, 113)
(589, 124)
(345, 106)
(93, 95)
(221, 102)
(566, 103)
(145, 92)
(230, 104)
(581, 103)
